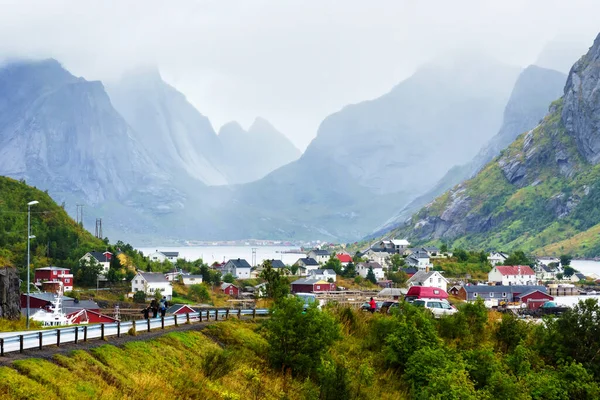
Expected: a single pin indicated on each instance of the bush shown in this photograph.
(139, 297)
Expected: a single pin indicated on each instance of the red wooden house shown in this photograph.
(90, 317)
(535, 299)
(230, 289)
(312, 286)
(55, 275)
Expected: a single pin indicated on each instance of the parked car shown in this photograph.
(438, 307)
(387, 304)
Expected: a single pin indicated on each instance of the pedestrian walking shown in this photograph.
(154, 307)
(372, 305)
(163, 306)
(146, 312)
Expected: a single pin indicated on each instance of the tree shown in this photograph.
(335, 264)
(565, 260)
(299, 338)
(461, 255)
(276, 286)
(228, 278)
(199, 293)
(114, 275)
(371, 276)
(569, 271)
(517, 258)
(157, 295)
(399, 278)
(444, 248)
(397, 262)
(86, 272)
(139, 297)
(349, 271)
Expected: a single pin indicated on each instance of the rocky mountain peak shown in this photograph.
(581, 105)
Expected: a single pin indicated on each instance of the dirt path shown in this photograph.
(48, 352)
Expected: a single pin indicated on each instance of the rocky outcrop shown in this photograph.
(581, 105)
(10, 294)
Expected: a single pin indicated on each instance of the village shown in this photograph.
(388, 271)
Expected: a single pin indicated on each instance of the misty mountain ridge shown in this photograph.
(251, 155)
(541, 193)
(534, 89)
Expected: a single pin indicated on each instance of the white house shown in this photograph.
(162, 256)
(308, 264)
(362, 269)
(149, 282)
(321, 256)
(381, 257)
(497, 258)
(239, 268)
(192, 279)
(429, 279)
(102, 258)
(419, 260)
(512, 275)
(399, 245)
(322, 274)
(576, 277)
(545, 273)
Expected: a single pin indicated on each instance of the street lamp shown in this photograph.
(29, 237)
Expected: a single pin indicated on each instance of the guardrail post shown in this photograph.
(40, 339)
(199, 315)
(175, 317)
(134, 327)
(20, 343)
(239, 313)
(58, 338)
(187, 318)
(162, 322)
(2, 347)
(148, 320)
(85, 333)
(227, 314)
(254, 313)
(101, 331)
(118, 328)
(76, 334)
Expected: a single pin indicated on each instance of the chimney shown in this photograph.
(427, 268)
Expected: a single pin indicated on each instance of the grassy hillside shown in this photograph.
(58, 239)
(336, 354)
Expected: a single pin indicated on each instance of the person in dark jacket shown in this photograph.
(154, 307)
(163, 306)
(146, 312)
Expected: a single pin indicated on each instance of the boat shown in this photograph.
(592, 293)
(55, 317)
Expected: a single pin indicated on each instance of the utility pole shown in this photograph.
(80, 214)
(254, 256)
(99, 228)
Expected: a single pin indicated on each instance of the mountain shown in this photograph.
(168, 127)
(62, 133)
(541, 191)
(252, 155)
(528, 103)
(559, 54)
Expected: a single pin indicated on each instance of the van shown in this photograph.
(425, 292)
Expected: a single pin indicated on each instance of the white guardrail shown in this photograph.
(82, 333)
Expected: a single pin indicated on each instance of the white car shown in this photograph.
(436, 306)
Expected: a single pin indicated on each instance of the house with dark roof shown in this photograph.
(150, 282)
(162, 256)
(578, 276)
(410, 271)
(102, 258)
(309, 285)
(496, 294)
(512, 275)
(496, 258)
(419, 259)
(239, 268)
(362, 269)
(322, 274)
(277, 264)
(307, 264)
(322, 256)
(545, 273)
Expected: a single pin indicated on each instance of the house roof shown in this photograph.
(495, 254)
(170, 253)
(320, 252)
(392, 292)
(371, 264)
(176, 307)
(308, 281)
(153, 277)
(400, 242)
(502, 288)
(277, 264)
(239, 263)
(72, 304)
(422, 276)
(345, 258)
(52, 269)
(545, 268)
(100, 256)
(533, 291)
(322, 272)
(580, 275)
(225, 285)
(308, 261)
(192, 276)
(431, 249)
(410, 271)
(515, 270)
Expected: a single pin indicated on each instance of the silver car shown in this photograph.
(436, 306)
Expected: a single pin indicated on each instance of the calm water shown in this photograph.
(588, 268)
(210, 254)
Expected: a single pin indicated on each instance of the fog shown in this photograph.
(291, 62)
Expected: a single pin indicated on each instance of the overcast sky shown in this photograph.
(291, 62)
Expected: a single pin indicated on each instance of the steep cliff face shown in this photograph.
(538, 191)
(535, 88)
(10, 293)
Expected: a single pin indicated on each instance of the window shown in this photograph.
(474, 294)
(318, 287)
(66, 281)
(439, 280)
(136, 281)
(436, 291)
(504, 294)
(491, 294)
(54, 272)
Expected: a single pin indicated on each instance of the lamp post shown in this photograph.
(29, 237)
